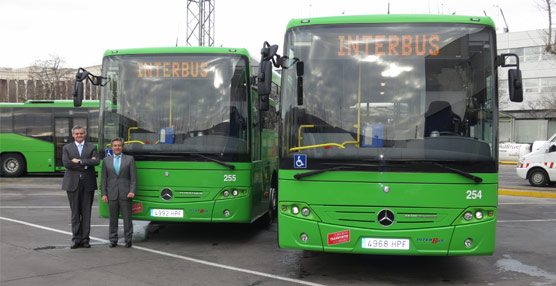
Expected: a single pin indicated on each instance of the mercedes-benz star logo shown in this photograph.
(166, 194)
(385, 217)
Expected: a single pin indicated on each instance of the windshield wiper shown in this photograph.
(177, 154)
(308, 174)
(229, 166)
(460, 172)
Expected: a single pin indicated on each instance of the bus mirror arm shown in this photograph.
(81, 75)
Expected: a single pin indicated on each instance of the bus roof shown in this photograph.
(392, 18)
(50, 103)
(178, 50)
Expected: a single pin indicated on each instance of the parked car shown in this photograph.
(539, 167)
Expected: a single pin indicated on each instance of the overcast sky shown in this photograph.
(80, 31)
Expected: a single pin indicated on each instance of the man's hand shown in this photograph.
(76, 161)
(105, 199)
(130, 195)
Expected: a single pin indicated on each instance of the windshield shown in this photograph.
(390, 92)
(174, 104)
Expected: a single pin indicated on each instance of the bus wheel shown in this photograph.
(538, 178)
(13, 165)
(267, 219)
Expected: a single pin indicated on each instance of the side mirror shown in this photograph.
(264, 80)
(78, 87)
(300, 66)
(515, 85)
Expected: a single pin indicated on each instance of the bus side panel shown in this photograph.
(38, 154)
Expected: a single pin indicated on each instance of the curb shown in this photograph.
(507, 162)
(527, 194)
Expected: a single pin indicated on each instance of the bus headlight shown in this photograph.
(305, 211)
(467, 216)
(226, 193)
(295, 209)
(235, 192)
(479, 214)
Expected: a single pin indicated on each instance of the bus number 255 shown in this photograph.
(229, 178)
(474, 194)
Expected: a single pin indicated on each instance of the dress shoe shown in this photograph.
(86, 245)
(128, 244)
(113, 244)
(75, 245)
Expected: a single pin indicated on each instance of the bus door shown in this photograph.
(62, 135)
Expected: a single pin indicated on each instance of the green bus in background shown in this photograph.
(32, 134)
(205, 146)
(389, 141)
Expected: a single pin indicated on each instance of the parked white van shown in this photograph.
(539, 167)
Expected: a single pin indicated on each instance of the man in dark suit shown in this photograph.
(118, 186)
(80, 159)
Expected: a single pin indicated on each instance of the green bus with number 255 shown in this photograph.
(204, 144)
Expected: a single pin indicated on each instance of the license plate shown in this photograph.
(385, 243)
(166, 213)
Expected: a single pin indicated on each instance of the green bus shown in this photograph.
(388, 141)
(205, 147)
(33, 133)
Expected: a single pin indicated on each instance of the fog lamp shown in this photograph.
(467, 216)
(304, 237)
(226, 213)
(468, 242)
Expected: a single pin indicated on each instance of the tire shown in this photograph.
(13, 165)
(538, 178)
(267, 219)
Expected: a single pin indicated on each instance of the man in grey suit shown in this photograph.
(118, 187)
(80, 159)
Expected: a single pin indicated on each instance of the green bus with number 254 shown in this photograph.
(389, 134)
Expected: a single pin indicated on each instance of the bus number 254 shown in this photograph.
(474, 194)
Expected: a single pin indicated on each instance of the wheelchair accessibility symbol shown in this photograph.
(300, 161)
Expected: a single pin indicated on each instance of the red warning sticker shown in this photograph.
(137, 208)
(338, 237)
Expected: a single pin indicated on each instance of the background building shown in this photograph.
(535, 117)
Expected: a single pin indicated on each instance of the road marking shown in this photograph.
(176, 256)
(539, 203)
(526, 194)
(528, 220)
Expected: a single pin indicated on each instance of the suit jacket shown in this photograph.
(74, 170)
(118, 186)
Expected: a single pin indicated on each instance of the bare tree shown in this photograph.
(549, 6)
(50, 72)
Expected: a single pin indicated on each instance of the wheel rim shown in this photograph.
(537, 178)
(273, 198)
(11, 165)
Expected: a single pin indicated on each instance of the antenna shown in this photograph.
(200, 23)
(506, 29)
(388, 7)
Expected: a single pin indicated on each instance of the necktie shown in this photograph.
(80, 148)
(117, 164)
